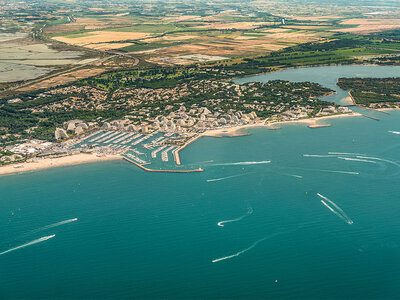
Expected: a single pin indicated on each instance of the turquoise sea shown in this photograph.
(319, 221)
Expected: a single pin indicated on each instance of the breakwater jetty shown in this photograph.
(162, 171)
(319, 125)
(376, 119)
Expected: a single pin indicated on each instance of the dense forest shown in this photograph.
(372, 90)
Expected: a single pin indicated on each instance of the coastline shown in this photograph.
(81, 158)
(234, 131)
(46, 163)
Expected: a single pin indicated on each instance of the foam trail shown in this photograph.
(316, 155)
(341, 172)
(339, 212)
(204, 162)
(243, 163)
(243, 251)
(344, 153)
(357, 159)
(249, 212)
(297, 176)
(380, 159)
(55, 225)
(42, 239)
(394, 132)
(329, 171)
(348, 221)
(223, 178)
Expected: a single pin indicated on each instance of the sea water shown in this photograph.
(120, 232)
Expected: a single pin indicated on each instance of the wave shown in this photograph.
(249, 212)
(223, 178)
(243, 163)
(54, 225)
(42, 239)
(338, 211)
(380, 159)
(394, 132)
(357, 159)
(244, 250)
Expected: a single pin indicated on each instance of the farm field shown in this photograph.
(163, 37)
(75, 36)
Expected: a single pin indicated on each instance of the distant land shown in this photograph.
(73, 70)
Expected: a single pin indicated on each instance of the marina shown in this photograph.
(152, 150)
(123, 208)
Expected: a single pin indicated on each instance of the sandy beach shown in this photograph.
(45, 163)
(235, 131)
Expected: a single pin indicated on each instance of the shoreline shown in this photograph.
(307, 66)
(233, 131)
(46, 163)
(81, 158)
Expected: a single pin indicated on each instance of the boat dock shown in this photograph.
(164, 154)
(132, 138)
(154, 153)
(136, 159)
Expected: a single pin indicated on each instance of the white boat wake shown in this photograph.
(244, 163)
(341, 172)
(223, 178)
(249, 212)
(357, 159)
(245, 250)
(317, 155)
(42, 239)
(394, 132)
(344, 153)
(380, 159)
(297, 176)
(204, 162)
(336, 210)
(54, 225)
